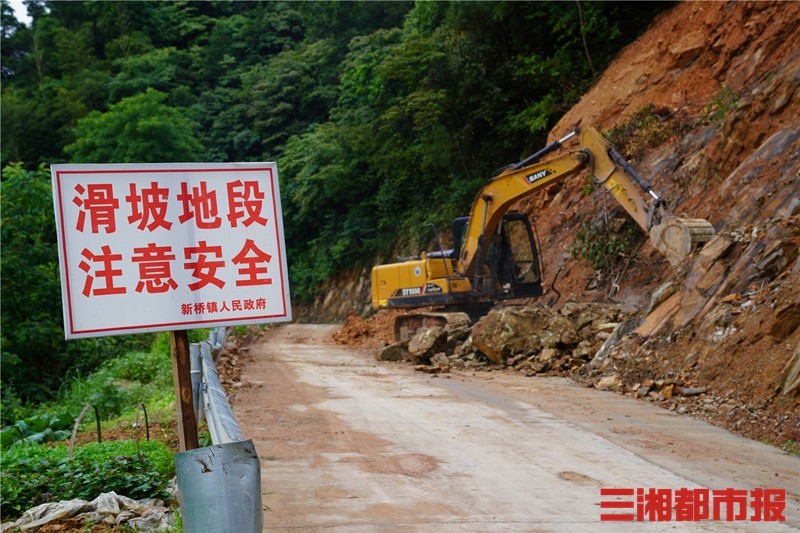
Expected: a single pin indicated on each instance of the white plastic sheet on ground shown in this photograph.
(108, 508)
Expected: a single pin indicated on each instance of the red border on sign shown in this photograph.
(133, 329)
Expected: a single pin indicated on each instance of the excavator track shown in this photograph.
(676, 237)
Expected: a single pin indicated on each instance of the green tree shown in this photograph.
(296, 89)
(31, 292)
(137, 129)
(155, 69)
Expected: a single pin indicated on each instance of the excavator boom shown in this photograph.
(672, 236)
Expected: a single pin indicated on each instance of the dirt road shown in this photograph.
(350, 444)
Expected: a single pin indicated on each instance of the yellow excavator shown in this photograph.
(495, 257)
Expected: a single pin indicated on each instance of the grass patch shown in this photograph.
(792, 446)
(717, 109)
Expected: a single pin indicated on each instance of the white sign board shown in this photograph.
(154, 247)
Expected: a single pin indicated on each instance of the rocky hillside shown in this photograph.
(705, 105)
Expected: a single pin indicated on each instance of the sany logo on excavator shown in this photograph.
(536, 176)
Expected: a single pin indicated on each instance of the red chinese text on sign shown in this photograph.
(100, 204)
(245, 200)
(155, 268)
(103, 270)
(201, 205)
(149, 208)
(207, 260)
(253, 265)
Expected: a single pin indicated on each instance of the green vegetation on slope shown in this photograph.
(39, 474)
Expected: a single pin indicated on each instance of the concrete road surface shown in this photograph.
(350, 444)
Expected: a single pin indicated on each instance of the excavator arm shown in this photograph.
(674, 237)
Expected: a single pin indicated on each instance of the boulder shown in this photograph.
(604, 354)
(426, 343)
(610, 382)
(393, 352)
(509, 331)
(441, 362)
(547, 355)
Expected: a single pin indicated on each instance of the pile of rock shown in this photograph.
(529, 339)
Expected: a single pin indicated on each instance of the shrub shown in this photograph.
(602, 247)
(120, 384)
(11, 406)
(649, 128)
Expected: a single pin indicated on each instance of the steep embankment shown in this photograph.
(719, 80)
(705, 105)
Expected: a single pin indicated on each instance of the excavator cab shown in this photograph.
(511, 270)
(512, 265)
(519, 258)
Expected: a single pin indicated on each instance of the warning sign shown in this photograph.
(153, 247)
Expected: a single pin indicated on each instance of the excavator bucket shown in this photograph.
(677, 237)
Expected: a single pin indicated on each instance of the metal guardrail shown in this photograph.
(220, 485)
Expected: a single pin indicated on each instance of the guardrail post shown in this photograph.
(220, 489)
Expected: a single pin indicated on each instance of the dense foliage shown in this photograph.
(35, 357)
(382, 116)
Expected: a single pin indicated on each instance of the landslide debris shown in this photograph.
(529, 339)
(721, 341)
(368, 333)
